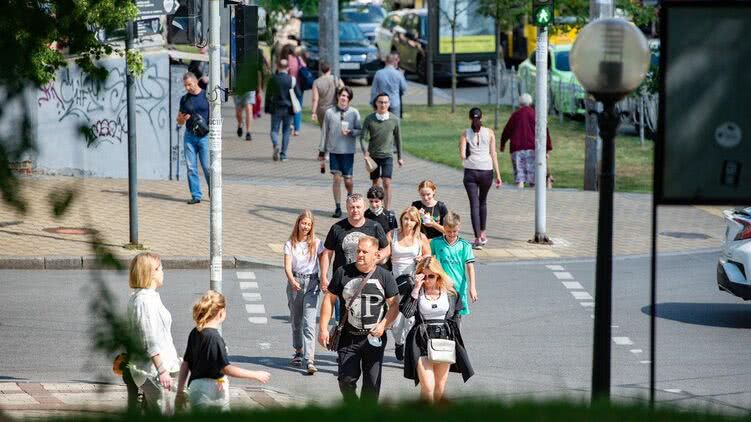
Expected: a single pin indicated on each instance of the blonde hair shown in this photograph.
(443, 282)
(413, 215)
(207, 308)
(452, 220)
(427, 183)
(310, 238)
(142, 268)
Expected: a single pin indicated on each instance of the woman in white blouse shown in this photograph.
(152, 322)
(301, 265)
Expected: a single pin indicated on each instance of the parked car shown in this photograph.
(411, 42)
(566, 95)
(357, 56)
(384, 34)
(367, 16)
(735, 255)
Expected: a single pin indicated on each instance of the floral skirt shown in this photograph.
(523, 162)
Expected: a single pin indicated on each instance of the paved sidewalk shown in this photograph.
(262, 198)
(25, 400)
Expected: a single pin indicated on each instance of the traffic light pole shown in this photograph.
(215, 147)
(541, 130)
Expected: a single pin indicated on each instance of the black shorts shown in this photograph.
(385, 168)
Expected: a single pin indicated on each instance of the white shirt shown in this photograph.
(302, 263)
(478, 145)
(153, 323)
(433, 309)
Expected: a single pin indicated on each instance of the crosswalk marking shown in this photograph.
(581, 295)
(248, 285)
(255, 309)
(622, 341)
(587, 304)
(258, 320)
(252, 297)
(555, 267)
(636, 351)
(573, 285)
(246, 275)
(563, 275)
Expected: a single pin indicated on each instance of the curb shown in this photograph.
(92, 263)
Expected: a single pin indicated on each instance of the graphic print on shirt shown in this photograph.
(349, 246)
(368, 309)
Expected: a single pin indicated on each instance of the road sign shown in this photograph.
(542, 12)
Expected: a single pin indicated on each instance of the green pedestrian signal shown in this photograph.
(542, 12)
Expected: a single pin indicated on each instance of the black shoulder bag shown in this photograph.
(336, 336)
(199, 127)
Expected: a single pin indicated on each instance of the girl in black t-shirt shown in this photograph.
(432, 211)
(206, 358)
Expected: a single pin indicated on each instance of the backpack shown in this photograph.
(306, 76)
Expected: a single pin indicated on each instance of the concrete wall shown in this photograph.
(72, 100)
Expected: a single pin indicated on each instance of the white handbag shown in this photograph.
(441, 350)
(296, 107)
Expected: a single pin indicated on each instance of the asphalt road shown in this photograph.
(530, 334)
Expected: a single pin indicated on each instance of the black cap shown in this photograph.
(475, 112)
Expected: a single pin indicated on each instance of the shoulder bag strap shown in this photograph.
(351, 300)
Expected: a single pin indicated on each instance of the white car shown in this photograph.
(735, 259)
(384, 34)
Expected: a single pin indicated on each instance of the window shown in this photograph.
(561, 61)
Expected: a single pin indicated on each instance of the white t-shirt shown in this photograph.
(301, 262)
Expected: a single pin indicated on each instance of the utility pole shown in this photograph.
(432, 40)
(542, 13)
(592, 142)
(132, 151)
(328, 28)
(215, 146)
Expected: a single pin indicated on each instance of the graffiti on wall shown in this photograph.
(102, 106)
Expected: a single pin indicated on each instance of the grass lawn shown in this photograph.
(433, 134)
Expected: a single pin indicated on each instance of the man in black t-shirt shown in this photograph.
(343, 236)
(372, 312)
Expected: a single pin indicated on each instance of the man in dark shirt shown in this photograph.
(194, 105)
(343, 236)
(279, 105)
(373, 310)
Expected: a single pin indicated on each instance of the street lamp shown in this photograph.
(610, 58)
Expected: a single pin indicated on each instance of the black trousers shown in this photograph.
(357, 357)
(477, 184)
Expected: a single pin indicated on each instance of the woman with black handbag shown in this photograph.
(434, 346)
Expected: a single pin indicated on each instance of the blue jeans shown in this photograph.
(200, 147)
(298, 116)
(283, 118)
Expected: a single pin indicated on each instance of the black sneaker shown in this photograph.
(337, 213)
(296, 360)
(399, 352)
(194, 201)
(239, 131)
(276, 154)
(248, 137)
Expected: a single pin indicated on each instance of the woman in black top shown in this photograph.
(431, 210)
(435, 306)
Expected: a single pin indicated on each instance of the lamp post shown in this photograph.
(610, 58)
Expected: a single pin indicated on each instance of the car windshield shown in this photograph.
(371, 15)
(561, 61)
(348, 32)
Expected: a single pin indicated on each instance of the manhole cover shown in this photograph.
(70, 230)
(686, 235)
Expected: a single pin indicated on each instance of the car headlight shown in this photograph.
(371, 56)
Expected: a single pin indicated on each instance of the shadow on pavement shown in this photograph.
(727, 315)
(325, 364)
(147, 195)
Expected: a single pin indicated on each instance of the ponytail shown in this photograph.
(207, 308)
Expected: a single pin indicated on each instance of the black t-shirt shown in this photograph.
(206, 354)
(195, 104)
(438, 212)
(387, 219)
(343, 239)
(370, 308)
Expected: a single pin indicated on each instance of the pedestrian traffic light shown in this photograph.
(542, 12)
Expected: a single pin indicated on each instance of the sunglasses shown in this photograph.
(431, 276)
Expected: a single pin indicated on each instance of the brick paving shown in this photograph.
(262, 198)
(40, 400)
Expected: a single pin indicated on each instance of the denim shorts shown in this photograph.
(341, 164)
(385, 168)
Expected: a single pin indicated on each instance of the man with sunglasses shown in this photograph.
(381, 130)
